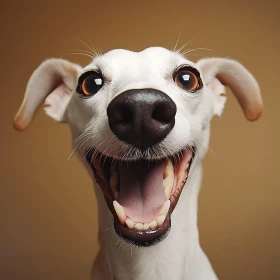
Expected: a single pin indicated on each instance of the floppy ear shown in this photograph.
(220, 71)
(52, 84)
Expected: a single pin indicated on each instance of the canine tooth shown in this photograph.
(168, 180)
(120, 211)
(139, 226)
(129, 223)
(160, 220)
(153, 224)
(168, 169)
(167, 185)
(167, 192)
(165, 208)
(146, 226)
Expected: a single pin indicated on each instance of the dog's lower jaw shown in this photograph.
(179, 256)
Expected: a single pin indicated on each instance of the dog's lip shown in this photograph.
(139, 238)
(143, 238)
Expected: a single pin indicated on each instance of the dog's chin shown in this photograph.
(141, 194)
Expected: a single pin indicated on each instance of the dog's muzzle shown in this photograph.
(142, 117)
(141, 193)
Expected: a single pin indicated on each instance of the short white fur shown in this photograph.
(54, 83)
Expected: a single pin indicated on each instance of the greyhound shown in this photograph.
(140, 124)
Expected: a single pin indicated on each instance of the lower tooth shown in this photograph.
(165, 208)
(146, 226)
(119, 211)
(139, 226)
(153, 224)
(129, 223)
(160, 220)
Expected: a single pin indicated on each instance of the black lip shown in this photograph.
(143, 238)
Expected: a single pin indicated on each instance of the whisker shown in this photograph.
(85, 52)
(80, 143)
(178, 38)
(86, 45)
(185, 45)
(195, 49)
(79, 53)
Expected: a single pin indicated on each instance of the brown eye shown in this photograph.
(188, 78)
(90, 83)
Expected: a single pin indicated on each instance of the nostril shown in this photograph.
(141, 117)
(123, 116)
(126, 116)
(163, 113)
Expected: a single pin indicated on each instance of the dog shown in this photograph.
(140, 124)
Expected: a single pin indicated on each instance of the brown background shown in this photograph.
(48, 209)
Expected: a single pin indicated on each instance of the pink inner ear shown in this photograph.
(51, 83)
(241, 82)
(56, 103)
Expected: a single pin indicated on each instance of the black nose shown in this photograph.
(142, 117)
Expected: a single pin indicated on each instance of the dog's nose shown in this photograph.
(141, 117)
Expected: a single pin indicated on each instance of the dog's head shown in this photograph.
(139, 121)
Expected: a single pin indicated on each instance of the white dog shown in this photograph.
(140, 123)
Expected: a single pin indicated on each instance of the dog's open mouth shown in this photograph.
(141, 194)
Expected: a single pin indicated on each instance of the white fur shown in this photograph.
(179, 256)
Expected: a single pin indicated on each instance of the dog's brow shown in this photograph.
(90, 68)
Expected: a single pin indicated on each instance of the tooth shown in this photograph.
(165, 208)
(168, 168)
(160, 220)
(189, 156)
(120, 211)
(146, 226)
(129, 223)
(139, 226)
(167, 191)
(153, 224)
(168, 180)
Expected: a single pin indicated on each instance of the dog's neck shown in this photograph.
(178, 256)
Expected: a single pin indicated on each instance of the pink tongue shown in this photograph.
(141, 192)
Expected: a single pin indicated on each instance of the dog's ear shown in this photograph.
(218, 72)
(52, 84)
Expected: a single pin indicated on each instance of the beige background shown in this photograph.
(48, 209)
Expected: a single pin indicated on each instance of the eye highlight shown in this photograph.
(90, 83)
(188, 79)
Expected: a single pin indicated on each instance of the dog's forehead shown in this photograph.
(153, 58)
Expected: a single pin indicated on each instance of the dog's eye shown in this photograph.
(90, 83)
(188, 78)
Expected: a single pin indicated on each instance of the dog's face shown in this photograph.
(139, 122)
